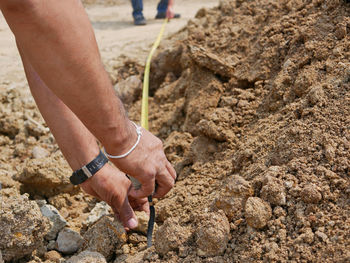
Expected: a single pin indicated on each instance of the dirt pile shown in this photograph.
(252, 100)
(254, 109)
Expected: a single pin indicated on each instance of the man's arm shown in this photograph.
(59, 42)
(170, 10)
(79, 147)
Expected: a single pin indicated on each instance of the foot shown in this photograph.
(140, 21)
(163, 15)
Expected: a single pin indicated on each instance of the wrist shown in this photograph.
(121, 138)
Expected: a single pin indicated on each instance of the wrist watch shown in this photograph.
(81, 175)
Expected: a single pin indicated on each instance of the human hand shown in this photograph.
(170, 12)
(112, 186)
(148, 164)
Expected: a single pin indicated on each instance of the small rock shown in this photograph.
(105, 236)
(56, 220)
(288, 184)
(22, 226)
(1, 260)
(307, 236)
(134, 258)
(142, 219)
(87, 257)
(212, 234)
(69, 241)
(51, 245)
(322, 236)
(53, 256)
(310, 194)
(315, 95)
(129, 89)
(100, 209)
(170, 236)
(232, 206)
(135, 238)
(39, 152)
(257, 212)
(340, 31)
(40, 177)
(273, 191)
(239, 187)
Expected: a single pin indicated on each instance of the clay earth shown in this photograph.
(252, 102)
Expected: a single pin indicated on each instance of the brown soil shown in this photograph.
(252, 100)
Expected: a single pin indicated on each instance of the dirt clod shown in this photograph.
(212, 234)
(257, 212)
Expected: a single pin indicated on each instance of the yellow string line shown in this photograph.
(145, 89)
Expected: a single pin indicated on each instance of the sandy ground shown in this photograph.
(116, 35)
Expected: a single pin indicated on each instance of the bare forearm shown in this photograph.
(58, 39)
(77, 144)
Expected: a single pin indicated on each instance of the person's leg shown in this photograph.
(137, 7)
(165, 9)
(162, 6)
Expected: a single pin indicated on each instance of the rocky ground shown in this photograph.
(252, 101)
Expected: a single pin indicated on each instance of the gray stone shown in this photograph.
(87, 257)
(56, 220)
(51, 245)
(69, 241)
(39, 152)
(97, 212)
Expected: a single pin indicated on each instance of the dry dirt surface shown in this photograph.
(252, 101)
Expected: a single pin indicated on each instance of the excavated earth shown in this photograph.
(252, 101)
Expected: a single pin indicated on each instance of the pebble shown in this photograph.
(273, 191)
(257, 212)
(53, 256)
(56, 220)
(69, 241)
(1, 260)
(39, 152)
(87, 257)
(310, 194)
(238, 186)
(51, 245)
(322, 236)
(142, 219)
(232, 206)
(100, 209)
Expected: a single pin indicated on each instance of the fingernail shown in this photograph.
(132, 223)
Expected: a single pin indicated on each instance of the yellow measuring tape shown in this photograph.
(145, 89)
(144, 121)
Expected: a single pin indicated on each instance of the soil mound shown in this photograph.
(252, 100)
(259, 91)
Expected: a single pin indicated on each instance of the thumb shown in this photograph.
(127, 215)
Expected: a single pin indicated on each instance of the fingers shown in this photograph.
(165, 181)
(139, 204)
(171, 170)
(124, 213)
(147, 188)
